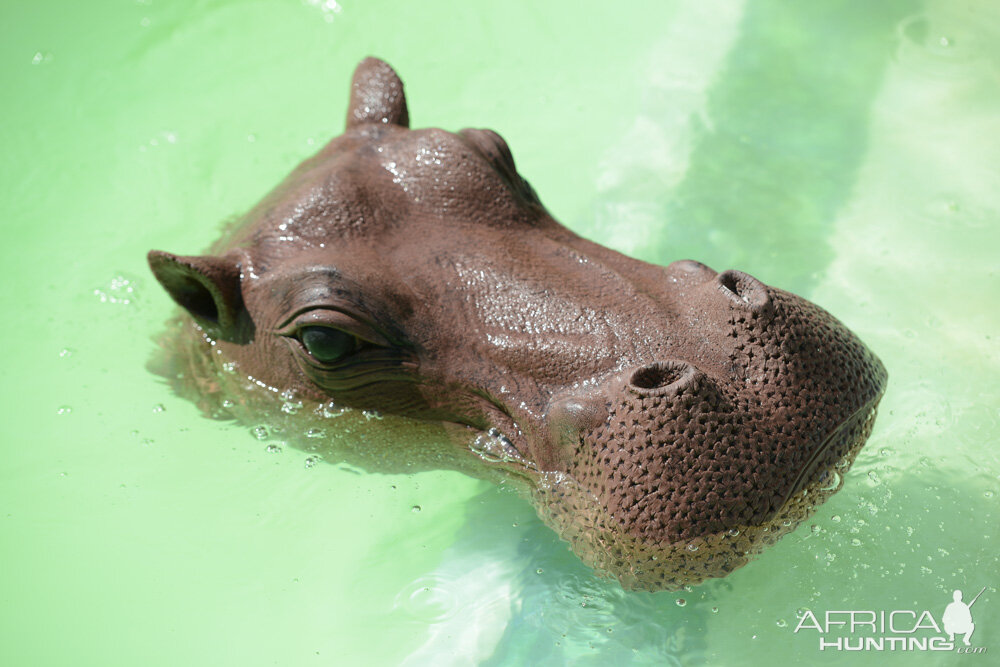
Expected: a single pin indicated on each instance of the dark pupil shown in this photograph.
(326, 344)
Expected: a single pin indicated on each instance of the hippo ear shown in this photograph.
(376, 95)
(208, 287)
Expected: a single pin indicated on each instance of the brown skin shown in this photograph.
(415, 273)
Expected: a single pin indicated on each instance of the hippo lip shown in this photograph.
(820, 458)
(824, 457)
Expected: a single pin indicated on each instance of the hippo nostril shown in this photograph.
(744, 290)
(660, 376)
(691, 267)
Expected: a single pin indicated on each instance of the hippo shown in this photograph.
(403, 301)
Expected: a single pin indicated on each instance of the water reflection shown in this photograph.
(775, 141)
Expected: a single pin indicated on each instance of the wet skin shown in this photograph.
(668, 422)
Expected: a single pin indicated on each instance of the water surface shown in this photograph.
(848, 152)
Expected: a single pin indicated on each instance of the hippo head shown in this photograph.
(669, 422)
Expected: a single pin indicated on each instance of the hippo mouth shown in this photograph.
(642, 564)
(829, 457)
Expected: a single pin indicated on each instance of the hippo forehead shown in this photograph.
(673, 403)
(375, 178)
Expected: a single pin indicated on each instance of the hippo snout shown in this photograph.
(700, 463)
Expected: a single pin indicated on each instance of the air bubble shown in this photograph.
(64, 410)
(428, 599)
(681, 602)
(415, 509)
(331, 410)
(273, 449)
(833, 483)
(120, 290)
(494, 447)
(159, 407)
(260, 432)
(692, 547)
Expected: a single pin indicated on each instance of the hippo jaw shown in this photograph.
(669, 422)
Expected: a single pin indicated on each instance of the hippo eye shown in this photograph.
(326, 344)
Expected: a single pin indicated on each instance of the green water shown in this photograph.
(848, 151)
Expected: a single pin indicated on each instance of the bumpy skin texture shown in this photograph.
(667, 421)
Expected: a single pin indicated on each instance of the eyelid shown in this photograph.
(335, 319)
